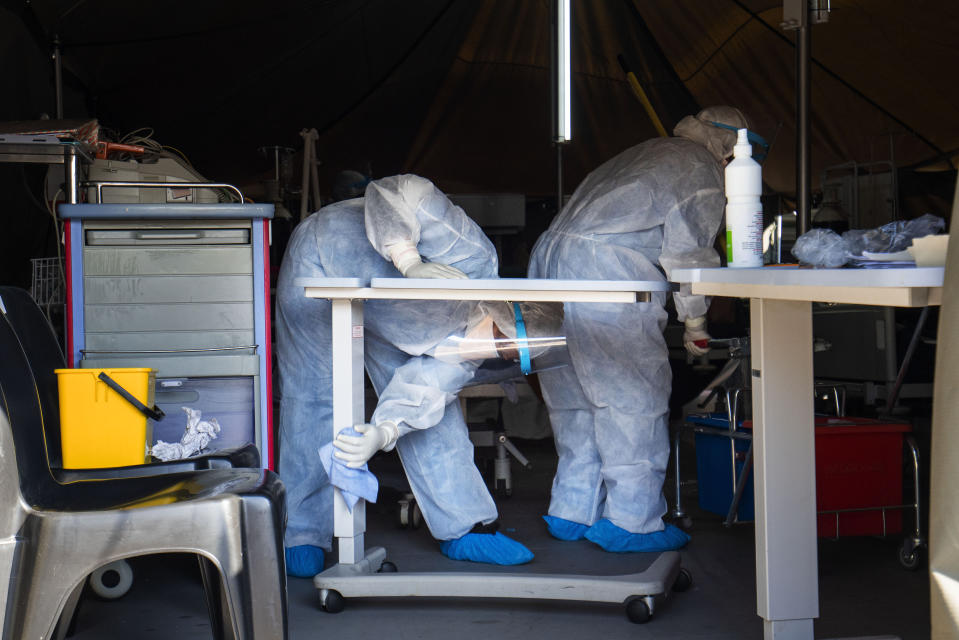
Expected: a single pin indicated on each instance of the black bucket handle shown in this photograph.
(156, 413)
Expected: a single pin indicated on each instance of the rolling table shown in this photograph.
(357, 573)
(782, 380)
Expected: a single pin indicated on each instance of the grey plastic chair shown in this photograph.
(54, 533)
(39, 342)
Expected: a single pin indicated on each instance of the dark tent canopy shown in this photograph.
(458, 90)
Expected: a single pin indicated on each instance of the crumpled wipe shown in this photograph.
(196, 437)
(352, 483)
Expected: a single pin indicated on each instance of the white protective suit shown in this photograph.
(416, 391)
(652, 208)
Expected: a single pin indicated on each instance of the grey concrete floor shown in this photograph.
(863, 589)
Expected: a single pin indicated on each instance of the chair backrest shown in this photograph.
(43, 351)
(11, 511)
(21, 404)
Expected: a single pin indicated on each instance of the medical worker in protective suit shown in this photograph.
(403, 226)
(653, 208)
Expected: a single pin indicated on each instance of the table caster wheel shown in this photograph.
(410, 515)
(332, 601)
(909, 556)
(683, 581)
(637, 610)
(112, 581)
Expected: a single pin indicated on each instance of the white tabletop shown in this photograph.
(508, 289)
(900, 287)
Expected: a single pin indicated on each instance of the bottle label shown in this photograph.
(744, 235)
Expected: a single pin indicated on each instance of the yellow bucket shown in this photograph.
(98, 426)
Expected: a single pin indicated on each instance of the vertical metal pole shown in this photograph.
(803, 164)
(892, 396)
(894, 176)
(314, 173)
(855, 196)
(71, 175)
(559, 177)
(58, 76)
(305, 179)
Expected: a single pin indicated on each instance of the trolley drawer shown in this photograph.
(229, 399)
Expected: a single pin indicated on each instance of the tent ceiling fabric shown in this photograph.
(458, 90)
(871, 57)
(490, 124)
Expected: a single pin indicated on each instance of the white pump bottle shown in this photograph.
(744, 209)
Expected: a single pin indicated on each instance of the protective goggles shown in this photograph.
(754, 139)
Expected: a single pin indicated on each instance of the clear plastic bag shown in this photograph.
(893, 236)
(826, 248)
(821, 248)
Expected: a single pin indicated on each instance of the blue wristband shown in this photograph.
(523, 344)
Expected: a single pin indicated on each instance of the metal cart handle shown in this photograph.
(197, 350)
(156, 413)
(99, 185)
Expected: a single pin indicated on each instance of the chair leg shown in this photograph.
(243, 569)
(213, 590)
(42, 615)
(255, 620)
(253, 585)
(67, 624)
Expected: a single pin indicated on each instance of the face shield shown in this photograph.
(527, 332)
(715, 128)
(754, 139)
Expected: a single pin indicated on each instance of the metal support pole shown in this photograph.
(803, 164)
(58, 76)
(892, 396)
(310, 181)
(894, 176)
(559, 177)
(71, 177)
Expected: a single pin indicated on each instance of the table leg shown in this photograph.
(785, 481)
(348, 410)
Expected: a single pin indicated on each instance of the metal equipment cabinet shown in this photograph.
(183, 289)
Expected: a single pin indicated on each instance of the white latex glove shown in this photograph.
(408, 262)
(435, 270)
(695, 337)
(356, 450)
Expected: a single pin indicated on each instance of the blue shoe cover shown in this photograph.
(565, 529)
(612, 538)
(491, 548)
(304, 561)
